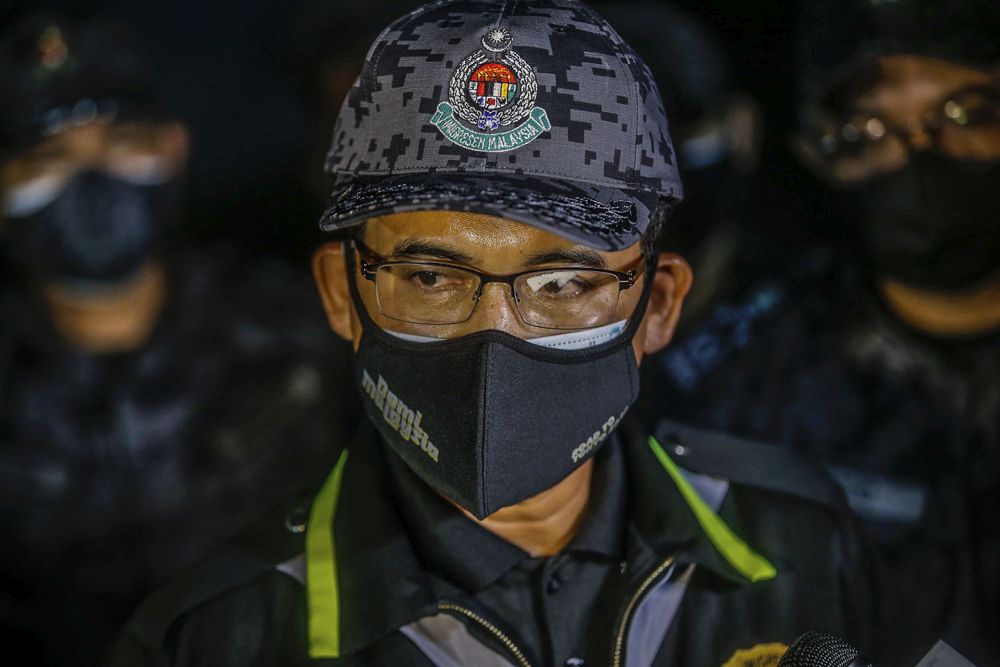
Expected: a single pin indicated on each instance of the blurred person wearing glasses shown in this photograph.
(877, 352)
(144, 387)
(902, 122)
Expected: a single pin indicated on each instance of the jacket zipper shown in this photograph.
(630, 608)
(492, 629)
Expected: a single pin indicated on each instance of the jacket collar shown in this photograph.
(465, 554)
(366, 578)
(671, 524)
(379, 584)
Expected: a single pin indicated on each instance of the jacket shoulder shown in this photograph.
(250, 557)
(749, 463)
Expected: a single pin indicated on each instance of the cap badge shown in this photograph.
(493, 90)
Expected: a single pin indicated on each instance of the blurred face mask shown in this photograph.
(92, 228)
(488, 419)
(934, 222)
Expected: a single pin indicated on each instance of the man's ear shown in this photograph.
(330, 272)
(671, 283)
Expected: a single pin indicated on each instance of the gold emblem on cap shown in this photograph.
(761, 655)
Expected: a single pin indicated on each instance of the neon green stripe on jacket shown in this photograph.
(322, 590)
(744, 560)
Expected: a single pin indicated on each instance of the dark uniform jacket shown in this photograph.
(813, 362)
(696, 590)
(118, 470)
(781, 557)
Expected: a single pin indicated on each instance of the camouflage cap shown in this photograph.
(533, 110)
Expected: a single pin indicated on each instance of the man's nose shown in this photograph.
(496, 309)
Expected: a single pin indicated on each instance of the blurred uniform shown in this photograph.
(837, 354)
(146, 389)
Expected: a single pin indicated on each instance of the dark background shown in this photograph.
(243, 77)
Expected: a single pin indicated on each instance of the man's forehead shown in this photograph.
(475, 228)
(480, 236)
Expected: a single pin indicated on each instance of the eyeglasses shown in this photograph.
(551, 298)
(965, 125)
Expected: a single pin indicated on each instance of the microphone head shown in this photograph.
(816, 649)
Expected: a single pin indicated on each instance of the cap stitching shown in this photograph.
(508, 10)
(533, 172)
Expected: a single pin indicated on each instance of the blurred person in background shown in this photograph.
(880, 356)
(900, 118)
(717, 128)
(145, 388)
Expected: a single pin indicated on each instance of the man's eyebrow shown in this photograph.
(577, 256)
(414, 248)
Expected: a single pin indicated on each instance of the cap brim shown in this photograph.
(601, 217)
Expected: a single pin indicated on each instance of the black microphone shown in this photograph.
(816, 649)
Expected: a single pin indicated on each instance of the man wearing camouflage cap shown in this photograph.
(501, 173)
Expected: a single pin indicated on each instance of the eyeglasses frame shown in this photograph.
(931, 122)
(626, 279)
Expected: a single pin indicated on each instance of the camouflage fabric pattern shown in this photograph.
(594, 176)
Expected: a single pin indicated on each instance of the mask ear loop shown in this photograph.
(635, 318)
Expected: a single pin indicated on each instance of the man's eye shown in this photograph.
(559, 284)
(570, 287)
(425, 278)
(552, 280)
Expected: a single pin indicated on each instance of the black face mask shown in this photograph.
(97, 229)
(934, 223)
(489, 420)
